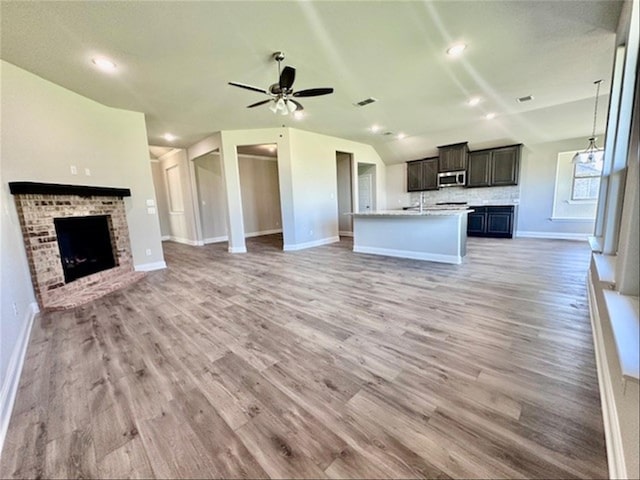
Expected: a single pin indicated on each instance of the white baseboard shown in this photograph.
(149, 267)
(580, 237)
(345, 234)
(222, 238)
(14, 370)
(242, 249)
(263, 232)
(389, 252)
(612, 435)
(314, 243)
(186, 241)
(164, 238)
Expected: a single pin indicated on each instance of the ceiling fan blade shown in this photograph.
(313, 92)
(249, 87)
(298, 105)
(287, 77)
(257, 104)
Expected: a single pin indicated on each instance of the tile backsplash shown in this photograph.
(473, 196)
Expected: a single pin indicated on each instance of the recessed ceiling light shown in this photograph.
(473, 101)
(169, 137)
(456, 50)
(400, 136)
(298, 115)
(375, 128)
(490, 116)
(104, 64)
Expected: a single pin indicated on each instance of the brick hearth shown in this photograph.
(37, 212)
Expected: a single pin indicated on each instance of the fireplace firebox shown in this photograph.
(85, 245)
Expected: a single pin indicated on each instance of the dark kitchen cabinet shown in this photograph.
(494, 167)
(479, 171)
(453, 158)
(422, 175)
(476, 222)
(496, 222)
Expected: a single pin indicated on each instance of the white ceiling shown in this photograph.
(175, 59)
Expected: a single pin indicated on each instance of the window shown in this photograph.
(586, 180)
(576, 189)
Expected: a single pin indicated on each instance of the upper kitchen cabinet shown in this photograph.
(453, 157)
(479, 171)
(422, 175)
(494, 167)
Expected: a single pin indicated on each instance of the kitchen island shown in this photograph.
(433, 234)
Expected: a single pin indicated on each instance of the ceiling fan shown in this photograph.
(282, 93)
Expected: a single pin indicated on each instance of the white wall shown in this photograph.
(314, 183)
(260, 194)
(396, 186)
(45, 129)
(307, 177)
(537, 184)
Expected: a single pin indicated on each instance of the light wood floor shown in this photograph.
(320, 363)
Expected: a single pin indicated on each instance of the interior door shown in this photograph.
(365, 193)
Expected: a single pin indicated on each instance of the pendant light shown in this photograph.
(592, 152)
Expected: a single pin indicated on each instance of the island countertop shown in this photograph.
(426, 212)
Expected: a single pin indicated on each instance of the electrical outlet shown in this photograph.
(87, 172)
(148, 252)
(151, 210)
(310, 232)
(74, 170)
(15, 309)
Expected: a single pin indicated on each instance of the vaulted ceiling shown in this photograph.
(175, 60)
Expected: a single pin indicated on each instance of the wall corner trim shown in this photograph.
(14, 371)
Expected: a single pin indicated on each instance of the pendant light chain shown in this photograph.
(595, 110)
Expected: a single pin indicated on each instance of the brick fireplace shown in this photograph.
(40, 206)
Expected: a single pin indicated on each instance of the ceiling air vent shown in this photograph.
(366, 101)
(527, 98)
(387, 133)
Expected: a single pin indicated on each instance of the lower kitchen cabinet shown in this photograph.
(496, 222)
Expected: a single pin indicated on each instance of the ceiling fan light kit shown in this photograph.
(281, 93)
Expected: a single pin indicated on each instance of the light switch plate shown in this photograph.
(151, 202)
(151, 210)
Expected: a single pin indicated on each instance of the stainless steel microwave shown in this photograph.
(452, 179)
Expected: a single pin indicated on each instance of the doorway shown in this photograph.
(366, 187)
(260, 193)
(212, 201)
(344, 162)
